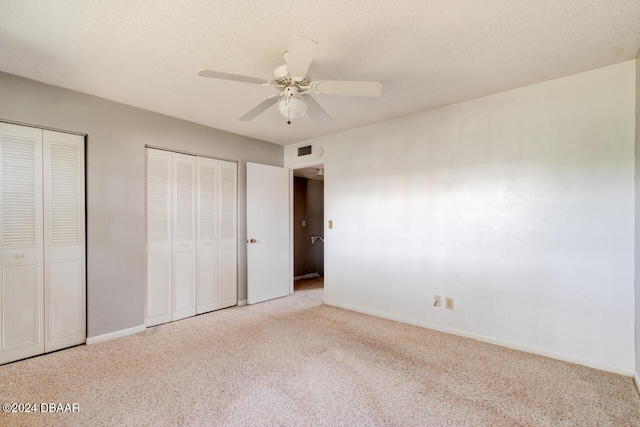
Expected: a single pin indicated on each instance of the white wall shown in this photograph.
(519, 205)
(116, 138)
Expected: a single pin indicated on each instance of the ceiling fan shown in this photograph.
(294, 83)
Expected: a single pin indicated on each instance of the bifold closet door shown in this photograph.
(184, 236)
(217, 234)
(208, 183)
(42, 241)
(21, 250)
(159, 237)
(64, 240)
(192, 249)
(228, 238)
(171, 237)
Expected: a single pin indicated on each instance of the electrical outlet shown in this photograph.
(449, 303)
(436, 301)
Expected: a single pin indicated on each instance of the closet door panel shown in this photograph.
(158, 290)
(184, 236)
(21, 252)
(21, 309)
(184, 292)
(228, 236)
(228, 290)
(64, 240)
(159, 238)
(207, 280)
(207, 229)
(65, 304)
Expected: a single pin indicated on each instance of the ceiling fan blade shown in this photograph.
(260, 108)
(353, 88)
(300, 55)
(316, 112)
(234, 77)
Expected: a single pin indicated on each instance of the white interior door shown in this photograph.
(268, 266)
(64, 240)
(21, 251)
(159, 252)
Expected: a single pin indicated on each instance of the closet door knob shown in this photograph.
(252, 241)
(20, 255)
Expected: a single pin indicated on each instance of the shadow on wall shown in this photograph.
(308, 213)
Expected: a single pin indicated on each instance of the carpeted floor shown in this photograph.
(296, 362)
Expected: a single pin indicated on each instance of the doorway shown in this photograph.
(308, 228)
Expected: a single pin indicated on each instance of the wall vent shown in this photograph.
(304, 151)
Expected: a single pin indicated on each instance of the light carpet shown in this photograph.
(296, 362)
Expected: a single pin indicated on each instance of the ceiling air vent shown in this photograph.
(304, 151)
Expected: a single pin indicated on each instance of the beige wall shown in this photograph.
(116, 136)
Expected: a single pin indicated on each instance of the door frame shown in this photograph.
(320, 163)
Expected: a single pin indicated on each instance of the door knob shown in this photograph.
(252, 241)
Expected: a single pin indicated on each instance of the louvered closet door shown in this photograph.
(192, 250)
(207, 228)
(159, 252)
(228, 239)
(184, 236)
(21, 252)
(64, 240)
(217, 255)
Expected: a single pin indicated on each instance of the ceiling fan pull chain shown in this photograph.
(287, 103)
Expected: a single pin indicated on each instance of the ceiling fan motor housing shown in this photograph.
(281, 80)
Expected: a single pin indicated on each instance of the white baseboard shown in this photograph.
(566, 358)
(116, 334)
(242, 302)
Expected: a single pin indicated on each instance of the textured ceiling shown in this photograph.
(427, 54)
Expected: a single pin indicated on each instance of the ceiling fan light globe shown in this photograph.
(292, 108)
